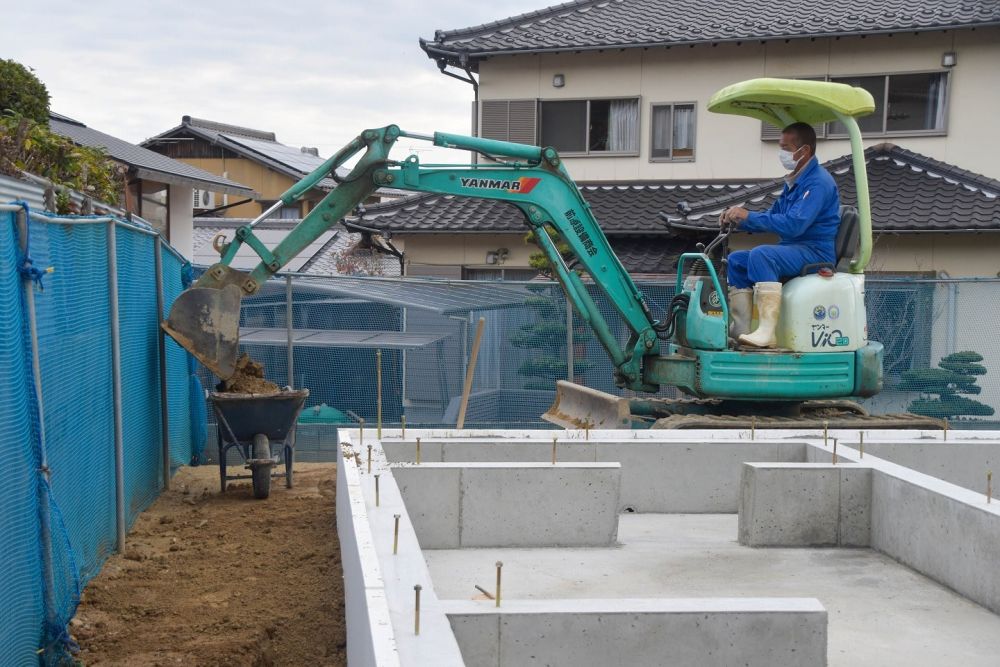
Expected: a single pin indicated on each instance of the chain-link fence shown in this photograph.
(422, 330)
(81, 414)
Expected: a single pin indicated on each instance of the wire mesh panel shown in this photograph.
(425, 329)
(178, 385)
(139, 332)
(21, 611)
(74, 340)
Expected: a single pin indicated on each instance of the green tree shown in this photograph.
(546, 335)
(22, 93)
(956, 374)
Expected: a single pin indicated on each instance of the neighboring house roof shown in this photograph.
(602, 24)
(145, 163)
(256, 145)
(910, 193)
(621, 209)
(319, 257)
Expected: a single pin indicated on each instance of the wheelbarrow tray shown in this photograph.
(247, 415)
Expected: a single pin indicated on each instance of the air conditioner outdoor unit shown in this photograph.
(203, 199)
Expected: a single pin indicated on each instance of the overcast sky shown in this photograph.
(316, 73)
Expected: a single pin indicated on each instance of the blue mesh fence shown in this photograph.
(21, 611)
(70, 521)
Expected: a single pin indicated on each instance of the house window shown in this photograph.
(673, 132)
(904, 104)
(591, 126)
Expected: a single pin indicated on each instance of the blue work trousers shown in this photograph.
(772, 263)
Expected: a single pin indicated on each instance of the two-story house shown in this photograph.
(620, 88)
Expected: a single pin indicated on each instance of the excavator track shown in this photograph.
(843, 421)
(582, 407)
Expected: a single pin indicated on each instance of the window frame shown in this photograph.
(694, 151)
(588, 153)
(943, 131)
(828, 134)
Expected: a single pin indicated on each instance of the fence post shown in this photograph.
(288, 321)
(569, 339)
(36, 369)
(161, 341)
(116, 386)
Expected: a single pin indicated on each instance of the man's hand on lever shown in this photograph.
(733, 216)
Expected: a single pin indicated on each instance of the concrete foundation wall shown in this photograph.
(668, 477)
(676, 632)
(805, 505)
(961, 463)
(455, 505)
(949, 534)
(370, 641)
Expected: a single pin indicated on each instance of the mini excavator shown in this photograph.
(823, 359)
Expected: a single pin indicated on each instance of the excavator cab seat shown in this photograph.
(845, 245)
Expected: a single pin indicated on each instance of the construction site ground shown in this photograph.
(208, 578)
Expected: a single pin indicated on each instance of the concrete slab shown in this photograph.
(676, 632)
(880, 612)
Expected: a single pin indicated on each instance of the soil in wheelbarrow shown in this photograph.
(248, 378)
(208, 578)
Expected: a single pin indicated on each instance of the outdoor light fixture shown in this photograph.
(498, 256)
(559, 80)
(949, 59)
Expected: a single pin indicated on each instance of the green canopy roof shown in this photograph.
(782, 102)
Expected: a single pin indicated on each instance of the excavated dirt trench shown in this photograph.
(222, 579)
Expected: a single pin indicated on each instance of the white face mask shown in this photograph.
(787, 159)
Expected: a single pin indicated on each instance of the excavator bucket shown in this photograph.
(578, 407)
(206, 322)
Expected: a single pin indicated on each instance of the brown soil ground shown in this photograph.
(248, 378)
(222, 579)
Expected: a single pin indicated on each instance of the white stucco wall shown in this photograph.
(181, 220)
(730, 146)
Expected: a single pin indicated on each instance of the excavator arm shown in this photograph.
(205, 319)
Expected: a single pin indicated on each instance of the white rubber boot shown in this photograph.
(768, 310)
(740, 308)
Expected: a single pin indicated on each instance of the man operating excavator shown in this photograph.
(805, 217)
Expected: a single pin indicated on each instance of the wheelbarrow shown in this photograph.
(259, 425)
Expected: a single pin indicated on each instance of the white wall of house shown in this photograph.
(182, 219)
(729, 147)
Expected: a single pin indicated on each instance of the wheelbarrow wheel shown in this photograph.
(261, 473)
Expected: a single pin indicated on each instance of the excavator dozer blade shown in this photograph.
(578, 407)
(206, 322)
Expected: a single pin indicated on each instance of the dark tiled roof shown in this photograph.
(909, 193)
(621, 209)
(147, 164)
(650, 254)
(598, 24)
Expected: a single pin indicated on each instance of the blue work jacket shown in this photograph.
(807, 213)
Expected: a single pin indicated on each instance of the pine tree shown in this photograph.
(546, 335)
(956, 374)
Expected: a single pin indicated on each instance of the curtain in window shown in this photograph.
(661, 131)
(683, 128)
(934, 118)
(623, 126)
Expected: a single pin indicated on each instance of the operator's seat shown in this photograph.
(845, 245)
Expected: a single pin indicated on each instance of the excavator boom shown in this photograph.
(205, 318)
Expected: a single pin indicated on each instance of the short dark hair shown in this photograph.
(804, 135)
